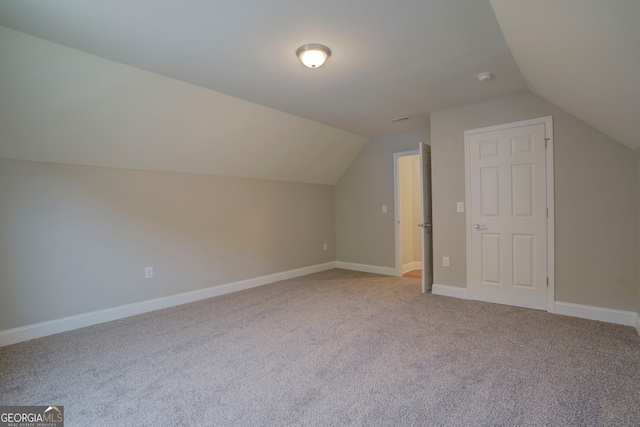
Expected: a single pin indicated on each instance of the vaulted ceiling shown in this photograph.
(215, 87)
(582, 55)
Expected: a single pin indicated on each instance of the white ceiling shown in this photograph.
(583, 56)
(390, 58)
(61, 105)
(215, 87)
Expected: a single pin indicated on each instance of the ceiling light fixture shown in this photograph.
(313, 55)
(484, 77)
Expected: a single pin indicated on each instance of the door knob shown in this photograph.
(423, 225)
(478, 226)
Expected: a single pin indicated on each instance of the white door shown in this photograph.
(427, 228)
(507, 233)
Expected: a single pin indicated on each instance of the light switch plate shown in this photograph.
(460, 207)
(384, 208)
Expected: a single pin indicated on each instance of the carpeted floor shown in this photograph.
(333, 348)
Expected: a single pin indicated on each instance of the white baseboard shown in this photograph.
(627, 318)
(415, 265)
(387, 271)
(450, 291)
(638, 323)
(38, 330)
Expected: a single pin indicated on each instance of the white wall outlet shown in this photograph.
(325, 246)
(384, 208)
(148, 272)
(445, 261)
(460, 207)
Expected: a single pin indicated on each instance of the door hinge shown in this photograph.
(546, 140)
(547, 212)
(547, 281)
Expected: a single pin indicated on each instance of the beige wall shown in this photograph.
(405, 208)
(364, 235)
(409, 207)
(595, 195)
(417, 208)
(75, 239)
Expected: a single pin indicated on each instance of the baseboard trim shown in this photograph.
(638, 323)
(450, 291)
(38, 330)
(386, 271)
(627, 318)
(415, 265)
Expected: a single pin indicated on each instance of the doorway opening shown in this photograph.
(409, 214)
(412, 179)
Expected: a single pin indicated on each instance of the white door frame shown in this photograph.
(548, 122)
(396, 192)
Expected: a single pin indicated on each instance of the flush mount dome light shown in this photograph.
(484, 77)
(313, 55)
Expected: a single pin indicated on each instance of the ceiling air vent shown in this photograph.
(399, 119)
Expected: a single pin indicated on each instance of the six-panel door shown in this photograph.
(508, 215)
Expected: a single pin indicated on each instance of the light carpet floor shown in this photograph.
(333, 348)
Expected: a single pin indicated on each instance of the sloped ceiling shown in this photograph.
(215, 86)
(582, 55)
(389, 58)
(61, 105)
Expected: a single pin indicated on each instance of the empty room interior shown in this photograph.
(422, 212)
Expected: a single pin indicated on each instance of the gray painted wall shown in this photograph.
(364, 235)
(75, 239)
(595, 194)
(638, 184)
